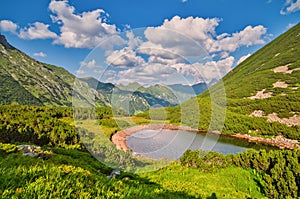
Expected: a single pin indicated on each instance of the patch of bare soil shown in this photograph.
(292, 121)
(285, 69)
(280, 84)
(261, 95)
(257, 113)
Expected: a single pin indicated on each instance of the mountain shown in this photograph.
(132, 98)
(262, 93)
(27, 81)
(185, 92)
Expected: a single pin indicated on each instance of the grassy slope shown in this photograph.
(70, 173)
(254, 74)
(49, 84)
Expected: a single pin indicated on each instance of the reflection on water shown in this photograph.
(171, 144)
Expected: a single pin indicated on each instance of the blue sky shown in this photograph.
(64, 33)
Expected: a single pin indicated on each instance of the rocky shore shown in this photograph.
(279, 141)
(119, 139)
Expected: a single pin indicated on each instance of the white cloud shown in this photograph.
(8, 26)
(84, 30)
(147, 74)
(89, 64)
(183, 1)
(248, 37)
(153, 73)
(40, 54)
(290, 25)
(290, 6)
(214, 69)
(183, 38)
(133, 41)
(37, 31)
(178, 51)
(124, 58)
(243, 58)
(161, 60)
(80, 72)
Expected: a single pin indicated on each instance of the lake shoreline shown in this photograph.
(119, 138)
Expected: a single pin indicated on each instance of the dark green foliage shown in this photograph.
(205, 161)
(12, 92)
(7, 149)
(38, 125)
(280, 169)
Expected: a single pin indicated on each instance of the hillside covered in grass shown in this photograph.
(261, 95)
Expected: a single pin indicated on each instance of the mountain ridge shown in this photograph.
(28, 81)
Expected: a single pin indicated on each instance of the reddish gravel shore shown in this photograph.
(119, 139)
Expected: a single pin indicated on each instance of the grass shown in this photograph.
(228, 183)
(75, 174)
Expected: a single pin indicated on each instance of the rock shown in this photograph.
(30, 154)
(34, 151)
(114, 173)
(4, 42)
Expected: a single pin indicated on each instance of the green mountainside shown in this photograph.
(262, 93)
(27, 81)
(135, 98)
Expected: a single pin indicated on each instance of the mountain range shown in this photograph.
(25, 80)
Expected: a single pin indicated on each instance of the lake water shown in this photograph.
(171, 144)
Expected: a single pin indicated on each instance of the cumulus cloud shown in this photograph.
(8, 26)
(290, 6)
(40, 54)
(80, 72)
(182, 36)
(248, 37)
(89, 64)
(147, 74)
(243, 58)
(214, 69)
(196, 37)
(178, 49)
(133, 41)
(151, 73)
(84, 30)
(37, 31)
(124, 58)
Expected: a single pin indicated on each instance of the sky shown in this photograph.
(125, 41)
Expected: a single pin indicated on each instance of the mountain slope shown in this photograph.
(262, 93)
(39, 83)
(27, 81)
